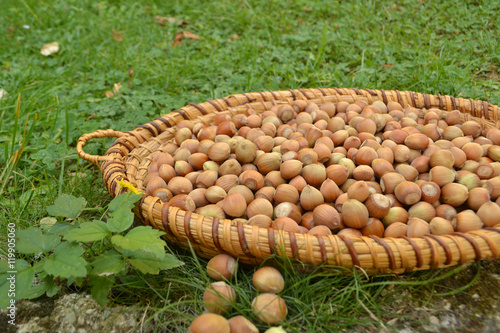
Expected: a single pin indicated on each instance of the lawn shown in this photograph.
(123, 63)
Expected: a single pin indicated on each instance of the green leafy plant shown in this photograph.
(85, 253)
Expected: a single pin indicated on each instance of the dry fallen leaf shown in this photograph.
(162, 20)
(177, 39)
(235, 37)
(10, 31)
(190, 35)
(49, 49)
(131, 72)
(117, 36)
(116, 89)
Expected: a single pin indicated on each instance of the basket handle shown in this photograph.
(109, 133)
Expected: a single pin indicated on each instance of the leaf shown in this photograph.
(67, 206)
(47, 222)
(52, 288)
(110, 262)
(24, 278)
(117, 36)
(62, 229)
(49, 49)
(66, 261)
(152, 263)
(117, 87)
(4, 284)
(143, 237)
(190, 35)
(36, 291)
(162, 20)
(22, 275)
(126, 199)
(179, 37)
(32, 240)
(100, 287)
(88, 232)
(121, 219)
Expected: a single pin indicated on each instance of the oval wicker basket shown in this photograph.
(129, 156)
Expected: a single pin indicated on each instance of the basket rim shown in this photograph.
(210, 236)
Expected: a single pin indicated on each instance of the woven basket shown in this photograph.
(129, 156)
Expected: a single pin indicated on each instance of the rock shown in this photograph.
(72, 313)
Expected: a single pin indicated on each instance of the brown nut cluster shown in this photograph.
(337, 168)
(219, 298)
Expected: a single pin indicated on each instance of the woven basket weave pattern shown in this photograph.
(130, 155)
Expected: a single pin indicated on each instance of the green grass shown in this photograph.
(447, 48)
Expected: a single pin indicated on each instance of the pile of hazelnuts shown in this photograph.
(352, 169)
(219, 298)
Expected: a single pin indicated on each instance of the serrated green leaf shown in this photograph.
(36, 291)
(24, 278)
(152, 263)
(61, 229)
(121, 219)
(47, 223)
(79, 281)
(52, 289)
(88, 232)
(100, 287)
(4, 284)
(143, 237)
(67, 206)
(110, 262)
(32, 240)
(4, 267)
(125, 200)
(66, 261)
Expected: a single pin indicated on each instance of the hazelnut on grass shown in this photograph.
(209, 323)
(240, 324)
(268, 280)
(269, 308)
(221, 267)
(218, 297)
